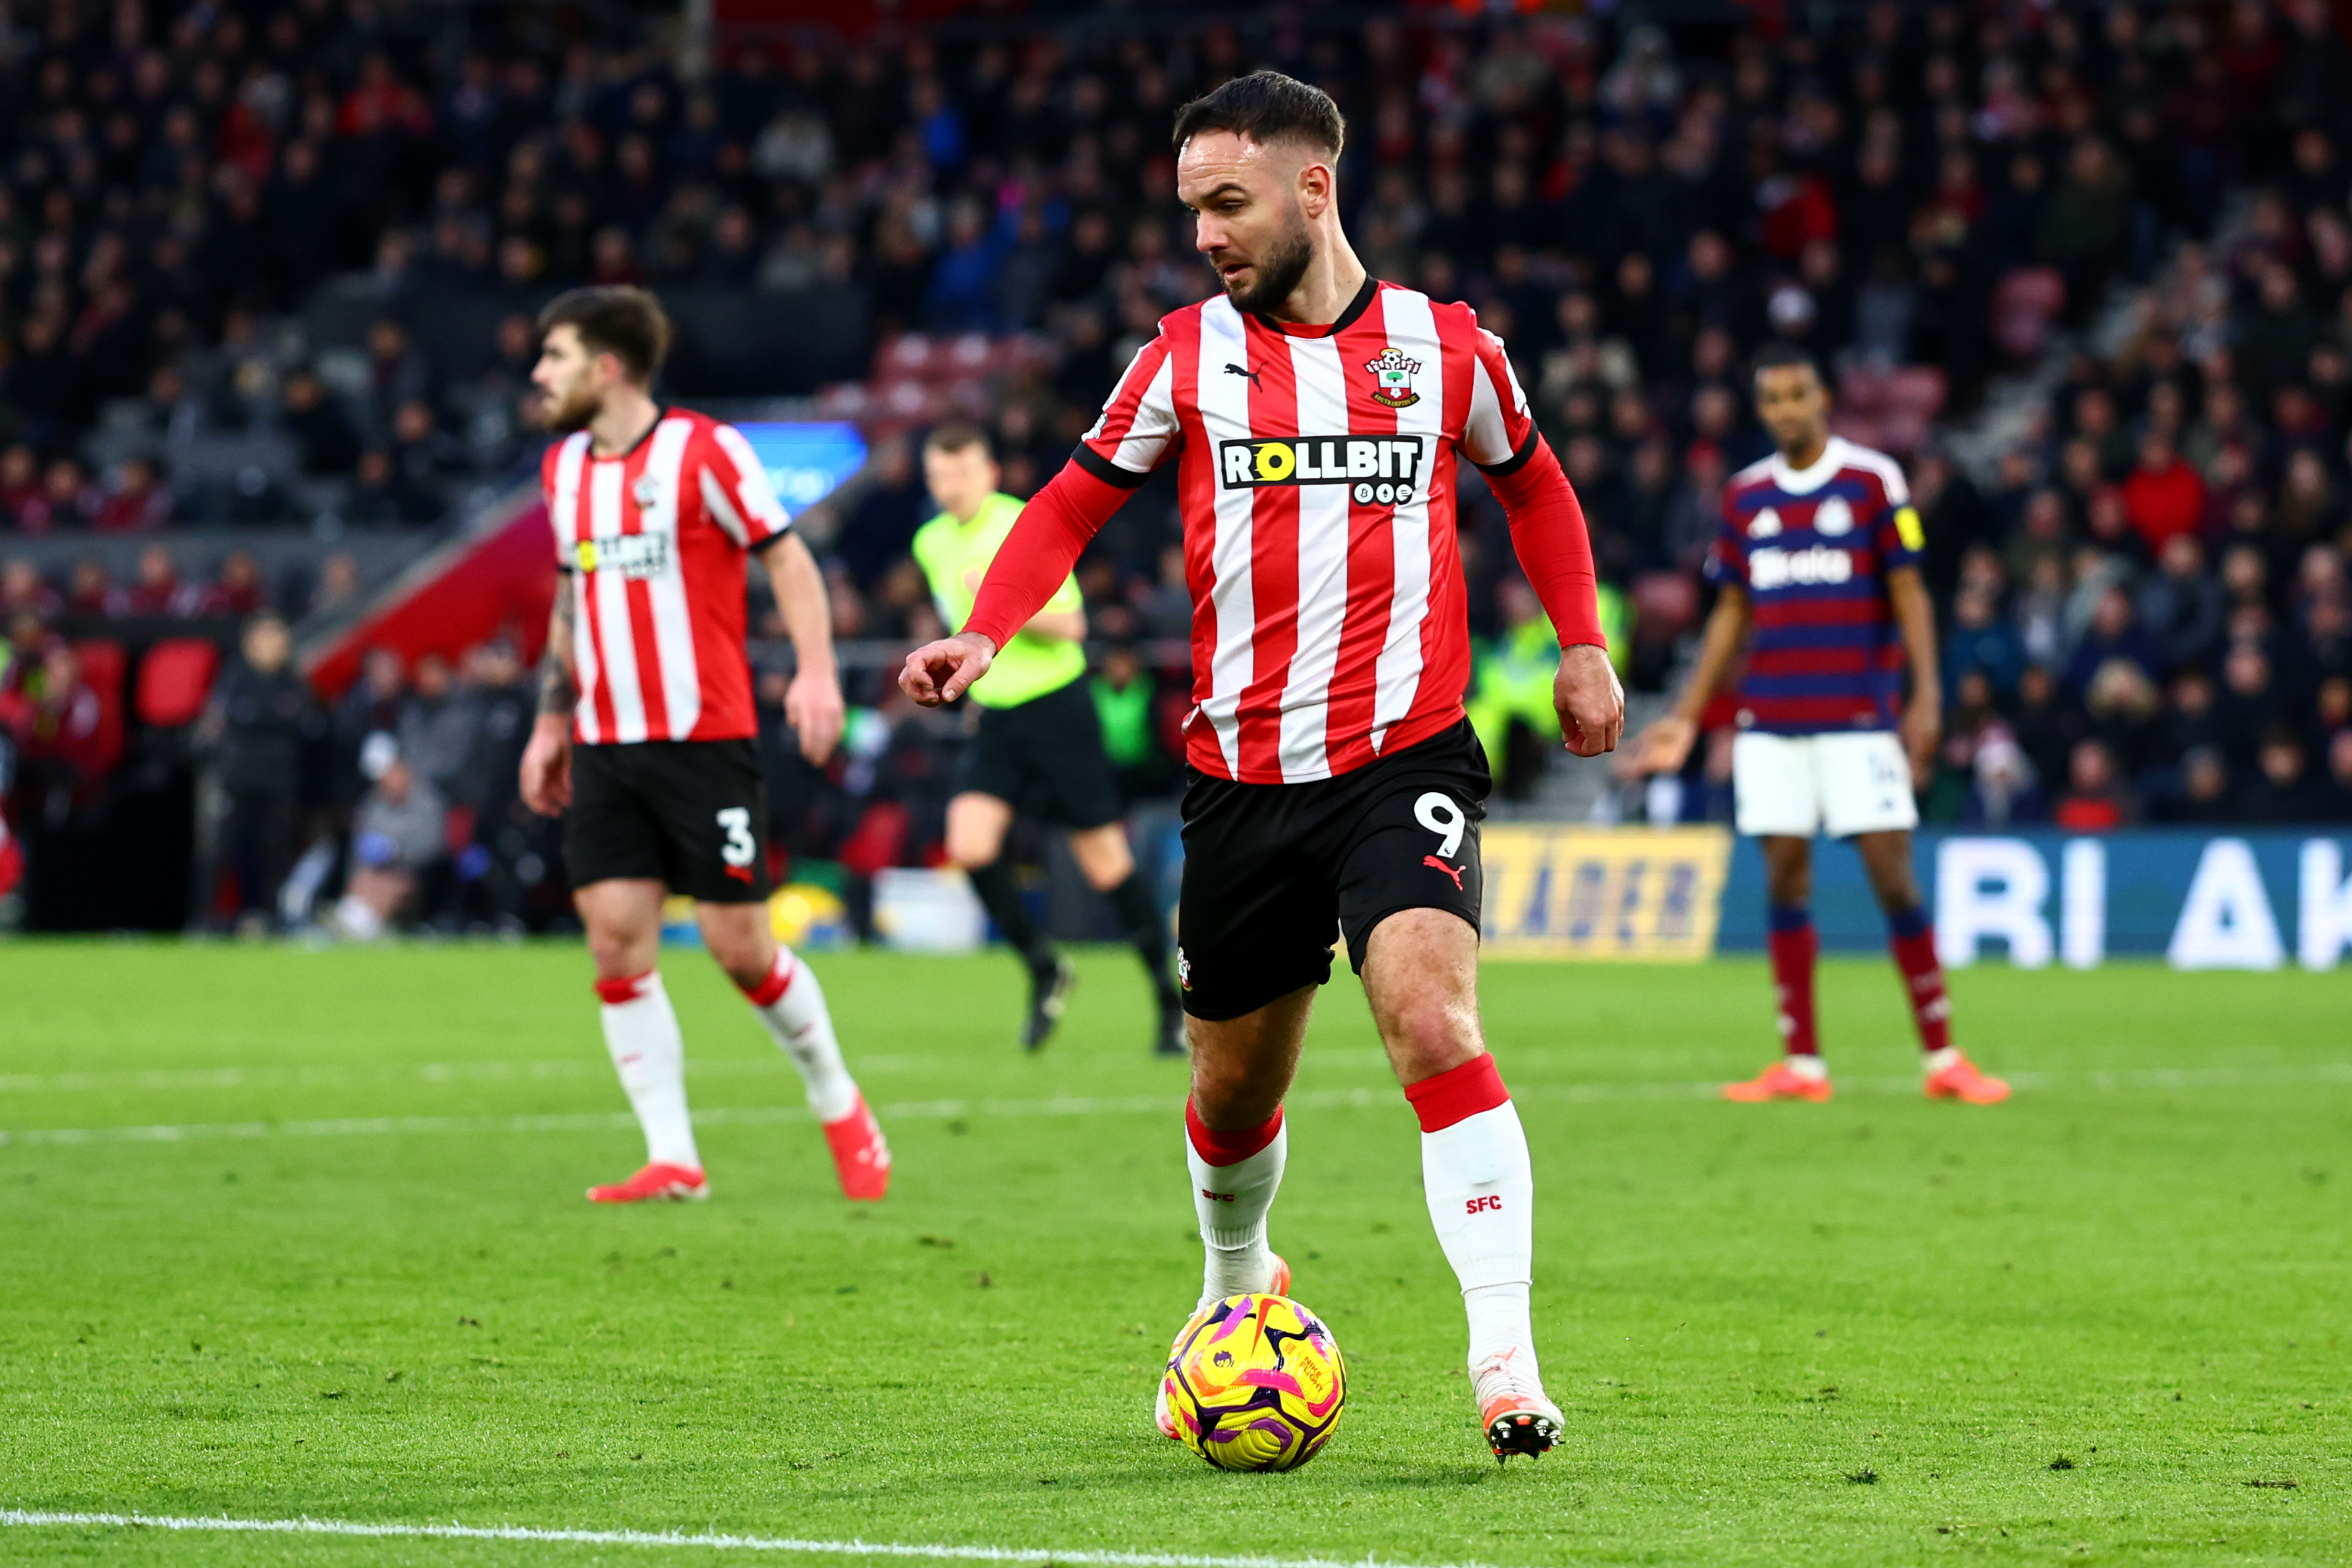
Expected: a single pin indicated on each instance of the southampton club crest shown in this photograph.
(1392, 376)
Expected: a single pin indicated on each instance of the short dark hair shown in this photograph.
(959, 435)
(1782, 356)
(1266, 107)
(627, 323)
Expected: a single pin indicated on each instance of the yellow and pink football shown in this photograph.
(1256, 1382)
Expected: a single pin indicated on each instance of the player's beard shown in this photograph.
(570, 412)
(1277, 275)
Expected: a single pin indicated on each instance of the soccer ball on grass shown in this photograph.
(1256, 1382)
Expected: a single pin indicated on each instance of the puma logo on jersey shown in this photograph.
(1774, 566)
(1365, 461)
(631, 555)
(1244, 371)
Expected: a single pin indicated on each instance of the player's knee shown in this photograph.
(1430, 1035)
(618, 954)
(746, 954)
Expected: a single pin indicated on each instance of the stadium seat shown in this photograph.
(102, 666)
(174, 679)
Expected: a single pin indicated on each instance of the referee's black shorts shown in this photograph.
(1272, 872)
(1045, 758)
(690, 814)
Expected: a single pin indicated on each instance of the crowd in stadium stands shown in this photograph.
(2142, 584)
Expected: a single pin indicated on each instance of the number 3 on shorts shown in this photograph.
(1441, 816)
(738, 849)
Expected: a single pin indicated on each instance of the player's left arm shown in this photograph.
(812, 704)
(1555, 550)
(1922, 716)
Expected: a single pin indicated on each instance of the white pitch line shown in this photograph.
(2157, 1079)
(31, 1518)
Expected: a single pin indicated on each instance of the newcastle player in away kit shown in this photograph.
(646, 737)
(1039, 747)
(1315, 418)
(1818, 566)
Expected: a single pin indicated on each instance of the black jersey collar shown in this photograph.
(1356, 308)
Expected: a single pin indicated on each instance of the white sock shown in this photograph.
(641, 1032)
(1481, 1192)
(1232, 1201)
(791, 1005)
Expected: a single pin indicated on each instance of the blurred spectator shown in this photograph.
(2200, 791)
(399, 833)
(2094, 799)
(260, 719)
(57, 723)
(1126, 699)
(2163, 497)
(338, 588)
(136, 502)
(90, 592)
(2282, 790)
(2181, 606)
(2115, 633)
(438, 725)
(1980, 640)
(23, 592)
(311, 416)
(158, 590)
(238, 591)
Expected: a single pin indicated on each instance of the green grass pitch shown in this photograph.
(2107, 1322)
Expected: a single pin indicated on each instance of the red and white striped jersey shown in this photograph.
(656, 537)
(1315, 482)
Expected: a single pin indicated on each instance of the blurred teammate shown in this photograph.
(1315, 417)
(1819, 558)
(645, 729)
(1040, 743)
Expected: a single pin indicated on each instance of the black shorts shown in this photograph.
(1273, 870)
(1045, 758)
(692, 814)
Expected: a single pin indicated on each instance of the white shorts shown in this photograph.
(1848, 782)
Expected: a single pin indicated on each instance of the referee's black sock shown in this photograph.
(1139, 916)
(1000, 896)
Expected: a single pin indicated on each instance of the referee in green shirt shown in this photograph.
(1039, 748)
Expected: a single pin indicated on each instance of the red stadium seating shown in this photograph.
(174, 680)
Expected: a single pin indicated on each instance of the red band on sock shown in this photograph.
(613, 993)
(1228, 1148)
(1457, 1094)
(779, 980)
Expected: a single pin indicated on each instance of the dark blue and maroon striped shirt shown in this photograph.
(1812, 547)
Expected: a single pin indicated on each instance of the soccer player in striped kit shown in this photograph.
(646, 735)
(1316, 417)
(1818, 567)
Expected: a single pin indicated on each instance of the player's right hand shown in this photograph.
(547, 766)
(939, 673)
(1664, 746)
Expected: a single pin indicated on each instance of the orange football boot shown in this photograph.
(652, 1183)
(1959, 1079)
(861, 1156)
(1512, 1407)
(1778, 1082)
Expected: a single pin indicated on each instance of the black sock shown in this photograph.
(1139, 916)
(1000, 896)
